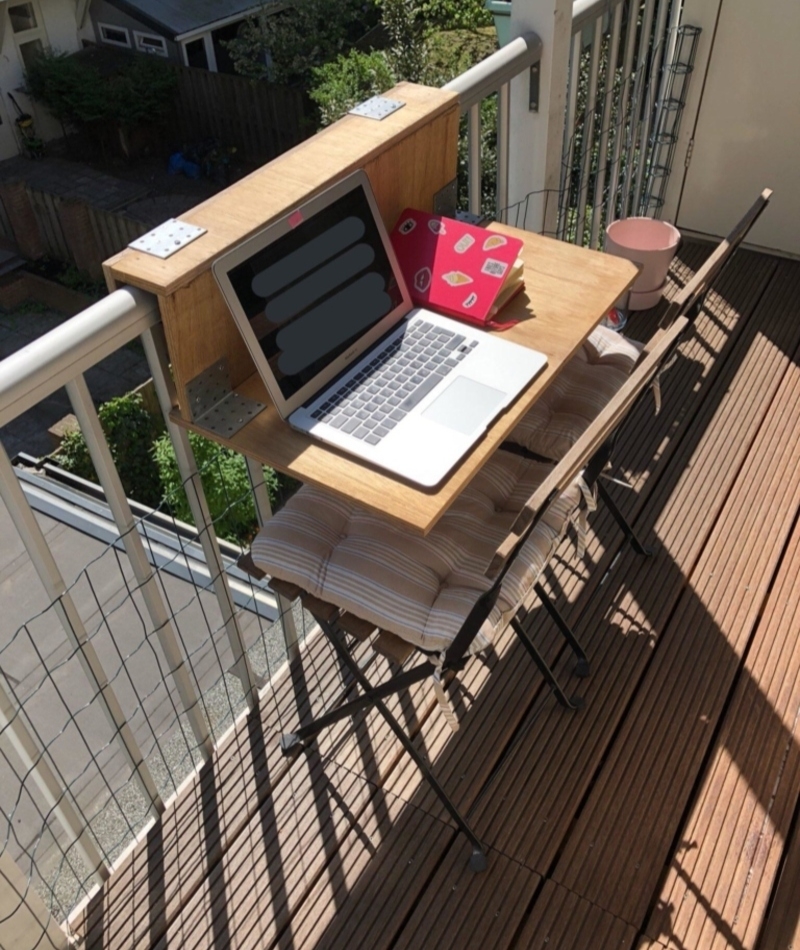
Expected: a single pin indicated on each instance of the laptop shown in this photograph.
(323, 307)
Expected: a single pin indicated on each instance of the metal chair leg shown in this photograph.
(626, 529)
(576, 702)
(478, 859)
(582, 666)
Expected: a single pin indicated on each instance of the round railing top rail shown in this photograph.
(43, 366)
(496, 70)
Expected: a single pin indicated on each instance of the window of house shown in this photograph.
(114, 35)
(28, 29)
(147, 43)
(22, 17)
(196, 54)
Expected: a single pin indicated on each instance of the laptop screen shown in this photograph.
(316, 289)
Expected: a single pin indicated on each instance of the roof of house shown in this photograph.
(173, 18)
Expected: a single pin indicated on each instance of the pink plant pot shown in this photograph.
(649, 243)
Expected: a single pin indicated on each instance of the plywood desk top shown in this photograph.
(567, 292)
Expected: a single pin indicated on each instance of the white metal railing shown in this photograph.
(489, 77)
(194, 687)
(88, 724)
(629, 66)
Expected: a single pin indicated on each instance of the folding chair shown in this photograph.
(446, 594)
(593, 376)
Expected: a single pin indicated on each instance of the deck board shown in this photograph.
(663, 815)
(721, 875)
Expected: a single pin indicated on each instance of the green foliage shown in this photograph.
(74, 88)
(348, 80)
(286, 47)
(406, 54)
(455, 14)
(452, 52)
(130, 431)
(225, 482)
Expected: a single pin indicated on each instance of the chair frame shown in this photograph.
(334, 622)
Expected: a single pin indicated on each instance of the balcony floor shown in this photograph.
(664, 814)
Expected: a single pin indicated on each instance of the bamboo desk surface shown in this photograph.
(567, 292)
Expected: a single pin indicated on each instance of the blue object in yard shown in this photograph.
(178, 164)
(501, 11)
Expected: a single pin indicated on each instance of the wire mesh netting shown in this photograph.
(77, 781)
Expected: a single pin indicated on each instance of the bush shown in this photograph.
(94, 93)
(287, 46)
(226, 484)
(130, 431)
(348, 80)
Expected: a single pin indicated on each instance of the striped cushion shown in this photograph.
(578, 394)
(420, 588)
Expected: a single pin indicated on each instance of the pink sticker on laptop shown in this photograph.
(295, 218)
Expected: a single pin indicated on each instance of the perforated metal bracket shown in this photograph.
(167, 238)
(378, 107)
(215, 406)
(444, 201)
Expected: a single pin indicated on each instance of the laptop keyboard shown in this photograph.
(395, 380)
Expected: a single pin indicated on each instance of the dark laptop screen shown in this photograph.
(316, 289)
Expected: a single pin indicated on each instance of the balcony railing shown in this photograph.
(123, 680)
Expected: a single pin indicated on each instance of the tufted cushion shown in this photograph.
(578, 394)
(420, 588)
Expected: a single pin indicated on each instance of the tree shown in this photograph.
(286, 46)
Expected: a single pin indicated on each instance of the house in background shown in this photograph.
(190, 32)
(26, 28)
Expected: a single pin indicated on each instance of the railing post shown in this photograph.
(25, 922)
(37, 762)
(535, 152)
(50, 576)
(156, 352)
(264, 513)
(89, 423)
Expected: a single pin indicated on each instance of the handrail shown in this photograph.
(496, 70)
(48, 363)
(586, 11)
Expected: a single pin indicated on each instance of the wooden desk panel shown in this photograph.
(568, 291)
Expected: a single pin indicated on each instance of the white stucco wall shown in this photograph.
(60, 33)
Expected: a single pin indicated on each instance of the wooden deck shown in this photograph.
(662, 815)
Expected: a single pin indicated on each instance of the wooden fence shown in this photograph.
(260, 120)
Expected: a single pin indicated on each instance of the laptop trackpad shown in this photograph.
(465, 405)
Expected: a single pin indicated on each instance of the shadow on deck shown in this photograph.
(664, 814)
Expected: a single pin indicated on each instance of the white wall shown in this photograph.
(60, 33)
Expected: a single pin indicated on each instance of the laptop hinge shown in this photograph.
(213, 405)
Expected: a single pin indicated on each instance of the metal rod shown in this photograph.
(89, 423)
(622, 115)
(50, 576)
(658, 49)
(156, 351)
(588, 130)
(36, 761)
(264, 513)
(503, 133)
(27, 923)
(634, 134)
(608, 108)
(474, 169)
(569, 129)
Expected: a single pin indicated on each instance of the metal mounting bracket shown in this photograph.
(378, 107)
(167, 238)
(215, 406)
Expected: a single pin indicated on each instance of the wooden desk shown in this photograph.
(567, 292)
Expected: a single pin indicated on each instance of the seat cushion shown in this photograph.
(578, 394)
(420, 588)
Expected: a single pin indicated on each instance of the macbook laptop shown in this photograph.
(325, 312)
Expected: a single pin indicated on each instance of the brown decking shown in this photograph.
(664, 814)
